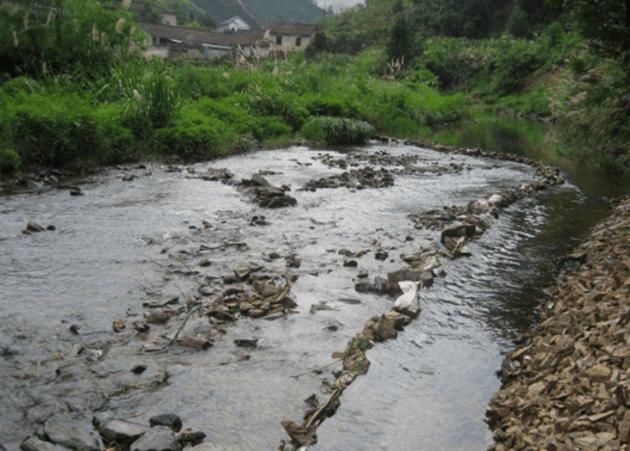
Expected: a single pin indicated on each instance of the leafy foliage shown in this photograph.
(55, 36)
(337, 131)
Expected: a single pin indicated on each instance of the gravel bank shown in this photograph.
(567, 386)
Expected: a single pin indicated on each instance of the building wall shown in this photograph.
(169, 19)
(289, 43)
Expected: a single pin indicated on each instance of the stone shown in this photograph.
(198, 344)
(246, 342)
(457, 230)
(426, 278)
(599, 373)
(118, 325)
(350, 264)
(33, 227)
(167, 419)
(217, 174)
(381, 255)
(72, 433)
(159, 438)
(35, 444)
(402, 275)
(122, 432)
(191, 438)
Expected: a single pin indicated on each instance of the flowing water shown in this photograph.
(125, 243)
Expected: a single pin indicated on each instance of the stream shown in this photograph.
(163, 232)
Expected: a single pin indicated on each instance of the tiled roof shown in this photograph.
(198, 37)
(293, 29)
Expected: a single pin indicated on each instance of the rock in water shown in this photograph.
(167, 419)
(72, 433)
(33, 227)
(35, 444)
(122, 432)
(159, 438)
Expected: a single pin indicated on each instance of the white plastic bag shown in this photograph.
(409, 299)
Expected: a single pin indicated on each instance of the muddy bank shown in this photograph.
(567, 386)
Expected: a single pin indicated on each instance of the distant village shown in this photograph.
(233, 38)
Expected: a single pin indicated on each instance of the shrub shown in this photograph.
(154, 102)
(194, 135)
(9, 161)
(337, 131)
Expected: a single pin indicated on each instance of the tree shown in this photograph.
(607, 21)
(400, 44)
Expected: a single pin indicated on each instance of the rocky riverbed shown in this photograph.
(227, 293)
(567, 386)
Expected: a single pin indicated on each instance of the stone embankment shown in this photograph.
(567, 386)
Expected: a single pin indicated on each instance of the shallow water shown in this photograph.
(116, 247)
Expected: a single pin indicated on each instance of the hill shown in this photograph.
(258, 13)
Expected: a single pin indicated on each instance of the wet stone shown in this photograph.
(159, 438)
(246, 342)
(167, 419)
(381, 255)
(35, 444)
(122, 432)
(33, 227)
(72, 433)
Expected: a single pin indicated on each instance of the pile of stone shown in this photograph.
(567, 387)
(265, 194)
(217, 175)
(65, 432)
(254, 294)
(363, 178)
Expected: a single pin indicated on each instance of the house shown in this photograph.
(287, 37)
(165, 41)
(232, 25)
(168, 19)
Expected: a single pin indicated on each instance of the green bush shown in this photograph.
(194, 135)
(153, 102)
(337, 131)
(9, 161)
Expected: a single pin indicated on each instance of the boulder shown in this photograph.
(167, 419)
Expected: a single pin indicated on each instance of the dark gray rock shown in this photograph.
(167, 419)
(122, 432)
(159, 438)
(246, 342)
(72, 433)
(33, 227)
(458, 230)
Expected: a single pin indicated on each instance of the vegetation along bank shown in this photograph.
(74, 90)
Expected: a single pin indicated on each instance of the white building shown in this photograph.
(232, 25)
(288, 37)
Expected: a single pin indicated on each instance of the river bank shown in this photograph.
(567, 385)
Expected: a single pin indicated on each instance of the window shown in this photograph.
(298, 41)
(278, 40)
